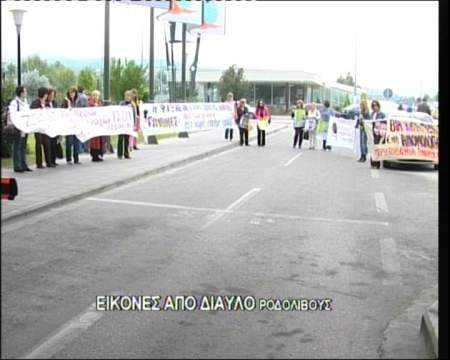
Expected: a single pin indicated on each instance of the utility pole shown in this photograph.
(356, 54)
(106, 84)
(151, 92)
(172, 40)
(183, 64)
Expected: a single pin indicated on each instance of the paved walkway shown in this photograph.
(44, 188)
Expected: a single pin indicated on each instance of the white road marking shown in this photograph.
(65, 334)
(375, 173)
(389, 260)
(269, 216)
(292, 160)
(380, 203)
(235, 204)
(408, 253)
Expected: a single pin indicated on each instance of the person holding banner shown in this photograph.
(244, 120)
(298, 115)
(123, 140)
(229, 130)
(20, 103)
(323, 125)
(312, 120)
(263, 118)
(71, 140)
(378, 128)
(364, 114)
(82, 101)
(51, 103)
(96, 144)
(42, 141)
(136, 107)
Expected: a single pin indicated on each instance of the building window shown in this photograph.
(263, 91)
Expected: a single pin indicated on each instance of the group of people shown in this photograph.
(316, 122)
(421, 106)
(242, 116)
(51, 146)
(308, 123)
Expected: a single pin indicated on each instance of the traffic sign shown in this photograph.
(388, 93)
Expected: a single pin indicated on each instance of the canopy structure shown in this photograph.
(159, 4)
(213, 18)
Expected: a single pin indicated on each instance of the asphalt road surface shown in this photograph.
(272, 222)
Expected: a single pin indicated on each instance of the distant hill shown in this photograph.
(79, 64)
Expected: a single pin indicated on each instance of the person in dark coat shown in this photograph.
(424, 107)
(378, 128)
(243, 114)
(41, 140)
(123, 139)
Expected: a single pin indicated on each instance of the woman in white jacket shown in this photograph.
(312, 119)
(20, 103)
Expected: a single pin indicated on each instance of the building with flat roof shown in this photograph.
(280, 89)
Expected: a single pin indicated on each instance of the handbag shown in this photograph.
(9, 129)
(306, 135)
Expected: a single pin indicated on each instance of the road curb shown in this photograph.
(429, 329)
(402, 338)
(54, 203)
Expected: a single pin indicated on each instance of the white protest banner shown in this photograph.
(85, 123)
(341, 132)
(108, 120)
(180, 117)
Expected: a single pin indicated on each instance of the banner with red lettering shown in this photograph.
(404, 136)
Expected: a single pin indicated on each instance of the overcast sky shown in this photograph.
(397, 42)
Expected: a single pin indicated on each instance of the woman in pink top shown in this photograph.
(262, 118)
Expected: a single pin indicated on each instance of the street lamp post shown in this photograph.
(18, 18)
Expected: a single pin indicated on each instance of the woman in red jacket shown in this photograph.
(262, 119)
(96, 144)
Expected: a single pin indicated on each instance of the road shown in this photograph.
(272, 222)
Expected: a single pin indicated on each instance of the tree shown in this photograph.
(61, 78)
(11, 72)
(8, 89)
(33, 81)
(34, 62)
(233, 80)
(125, 76)
(87, 79)
(348, 80)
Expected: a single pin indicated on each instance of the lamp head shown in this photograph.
(18, 18)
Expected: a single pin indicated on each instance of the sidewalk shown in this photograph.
(46, 188)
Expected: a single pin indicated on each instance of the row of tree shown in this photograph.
(37, 72)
